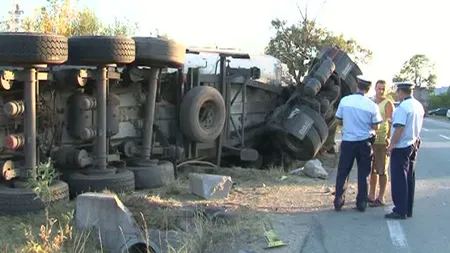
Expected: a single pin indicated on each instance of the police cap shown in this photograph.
(404, 85)
(364, 81)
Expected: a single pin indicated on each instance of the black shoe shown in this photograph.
(360, 209)
(409, 215)
(339, 207)
(396, 216)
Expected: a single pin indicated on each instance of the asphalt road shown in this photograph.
(427, 231)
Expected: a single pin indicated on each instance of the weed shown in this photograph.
(46, 174)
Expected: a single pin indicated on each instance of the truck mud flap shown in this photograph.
(297, 122)
(319, 123)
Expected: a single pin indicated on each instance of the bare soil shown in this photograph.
(259, 199)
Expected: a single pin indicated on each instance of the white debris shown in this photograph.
(314, 169)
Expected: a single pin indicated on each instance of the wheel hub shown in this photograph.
(8, 170)
(206, 115)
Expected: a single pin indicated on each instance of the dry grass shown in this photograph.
(49, 231)
(255, 195)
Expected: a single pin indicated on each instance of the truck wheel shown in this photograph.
(159, 52)
(97, 50)
(19, 201)
(319, 123)
(122, 181)
(160, 174)
(33, 48)
(305, 149)
(202, 114)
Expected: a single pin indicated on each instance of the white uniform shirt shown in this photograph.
(409, 114)
(358, 114)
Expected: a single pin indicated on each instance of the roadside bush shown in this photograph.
(441, 100)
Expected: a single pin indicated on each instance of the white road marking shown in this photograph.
(425, 129)
(396, 232)
(445, 137)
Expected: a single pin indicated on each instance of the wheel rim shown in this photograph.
(207, 116)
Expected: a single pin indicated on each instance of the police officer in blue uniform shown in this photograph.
(407, 123)
(359, 116)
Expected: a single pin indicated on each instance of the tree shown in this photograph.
(13, 23)
(120, 28)
(297, 44)
(418, 69)
(60, 17)
(440, 101)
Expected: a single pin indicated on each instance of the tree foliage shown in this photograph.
(13, 23)
(440, 101)
(418, 69)
(61, 17)
(298, 43)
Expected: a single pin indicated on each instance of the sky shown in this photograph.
(393, 30)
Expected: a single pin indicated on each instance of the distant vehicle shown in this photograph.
(448, 114)
(438, 112)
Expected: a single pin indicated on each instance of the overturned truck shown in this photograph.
(122, 113)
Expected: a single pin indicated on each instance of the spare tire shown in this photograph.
(202, 114)
(159, 52)
(33, 48)
(98, 50)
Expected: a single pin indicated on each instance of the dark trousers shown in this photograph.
(350, 150)
(403, 179)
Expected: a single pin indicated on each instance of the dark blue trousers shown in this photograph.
(403, 179)
(350, 150)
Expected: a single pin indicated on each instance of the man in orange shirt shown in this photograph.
(380, 154)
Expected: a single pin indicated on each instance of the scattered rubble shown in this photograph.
(314, 169)
(210, 186)
(112, 223)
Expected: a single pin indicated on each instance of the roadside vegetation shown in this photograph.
(256, 195)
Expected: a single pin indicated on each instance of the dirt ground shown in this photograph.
(258, 201)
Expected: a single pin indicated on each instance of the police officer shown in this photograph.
(359, 116)
(406, 126)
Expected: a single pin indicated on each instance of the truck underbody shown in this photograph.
(109, 115)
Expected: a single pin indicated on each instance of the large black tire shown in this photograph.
(32, 48)
(160, 174)
(158, 52)
(120, 182)
(198, 101)
(19, 201)
(98, 50)
(319, 123)
(303, 150)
